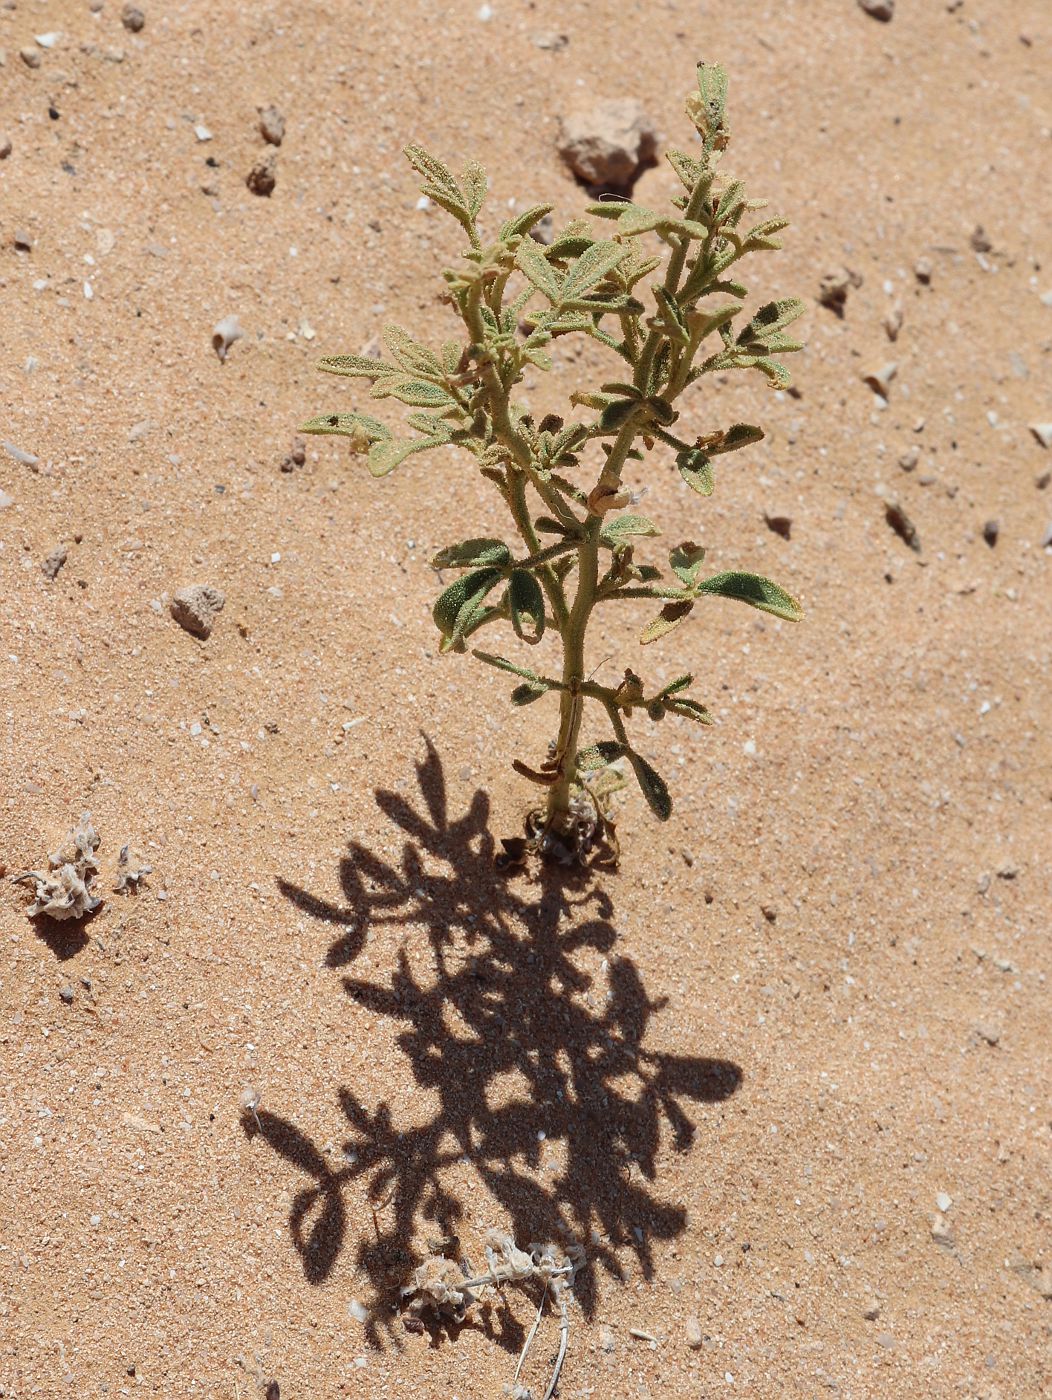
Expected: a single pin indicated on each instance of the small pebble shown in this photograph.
(893, 319)
(941, 1232)
(202, 133)
(988, 1032)
(879, 9)
(196, 608)
(1042, 431)
(132, 18)
(778, 524)
(923, 270)
(22, 241)
(29, 56)
(48, 41)
(358, 1311)
(833, 290)
(871, 1312)
(909, 458)
(272, 126)
(51, 565)
(886, 1340)
(5, 147)
(692, 1332)
(991, 530)
(606, 1338)
(943, 1201)
(979, 240)
(262, 178)
(66, 993)
(6, 500)
(551, 40)
(1046, 538)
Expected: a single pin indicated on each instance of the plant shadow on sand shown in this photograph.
(543, 1082)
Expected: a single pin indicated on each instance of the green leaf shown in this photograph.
(590, 268)
(686, 559)
(531, 261)
(615, 415)
(670, 616)
(355, 365)
(758, 592)
(473, 554)
(680, 683)
(770, 319)
(527, 693)
(347, 425)
(526, 600)
(696, 470)
(616, 531)
(653, 785)
(411, 357)
(520, 225)
(599, 755)
(689, 709)
(502, 665)
(688, 168)
(456, 603)
(737, 435)
(418, 393)
(475, 187)
(440, 186)
(387, 454)
(672, 321)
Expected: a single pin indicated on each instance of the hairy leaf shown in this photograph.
(526, 601)
(352, 425)
(455, 603)
(670, 616)
(527, 693)
(758, 592)
(770, 319)
(502, 665)
(616, 531)
(690, 709)
(680, 683)
(696, 470)
(355, 365)
(531, 261)
(590, 268)
(653, 785)
(685, 560)
(472, 554)
(409, 356)
(418, 393)
(387, 454)
(520, 224)
(599, 755)
(475, 186)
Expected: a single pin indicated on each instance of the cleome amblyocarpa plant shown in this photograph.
(670, 316)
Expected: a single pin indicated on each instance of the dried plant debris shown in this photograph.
(902, 525)
(440, 1289)
(64, 890)
(130, 873)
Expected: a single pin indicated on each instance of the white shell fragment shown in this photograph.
(64, 890)
(224, 334)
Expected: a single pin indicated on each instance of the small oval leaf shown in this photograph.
(755, 590)
(472, 554)
(526, 600)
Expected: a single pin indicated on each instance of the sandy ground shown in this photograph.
(742, 1070)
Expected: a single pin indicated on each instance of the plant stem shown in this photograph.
(573, 634)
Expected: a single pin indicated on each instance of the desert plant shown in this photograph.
(564, 481)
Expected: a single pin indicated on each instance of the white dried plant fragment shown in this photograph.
(224, 333)
(249, 1102)
(64, 891)
(130, 874)
(438, 1286)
